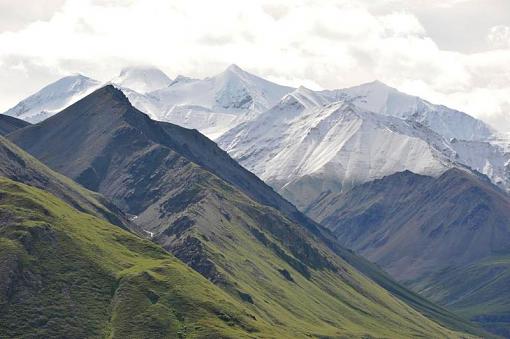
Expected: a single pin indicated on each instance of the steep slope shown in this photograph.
(287, 273)
(69, 274)
(17, 165)
(9, 124)
(445, 237)
(53, 98)
(213, 105)
(142, 79)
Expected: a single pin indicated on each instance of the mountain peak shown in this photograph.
(53, 98)
(181, 79)
(76, 78)
(234, 68)
(102, 102)
(232, 72)
(377, 85)
(111, 91)
(143, 78)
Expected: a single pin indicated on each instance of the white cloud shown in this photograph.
(499, 36)
(327, 44)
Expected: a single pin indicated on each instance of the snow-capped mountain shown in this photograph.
(305, 146)
(212, 105)
(314, 142)
(215, 104)
(380, 98)
(302, 142)
(53, 98)
(489, 158)
(142, 79)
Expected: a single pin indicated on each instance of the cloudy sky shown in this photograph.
(454, 52)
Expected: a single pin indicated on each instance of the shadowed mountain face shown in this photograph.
(445, 237)
(10, 124)
(227, 224)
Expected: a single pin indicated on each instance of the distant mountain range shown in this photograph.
(211, 105)
(314, 142)
(267, 127)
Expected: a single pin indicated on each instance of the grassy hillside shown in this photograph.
(478, 291)
(66, 273)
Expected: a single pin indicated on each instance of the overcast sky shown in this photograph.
(454, 52)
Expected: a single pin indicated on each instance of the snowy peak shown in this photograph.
(310, 99)
(233, 68)
(142, 79)
(237, 89)
(53, 98)
(181, 79)
(231, 91)
(380, 98)
(71, 83)
(215, 104)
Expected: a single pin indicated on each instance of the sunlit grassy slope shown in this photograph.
(66, 273)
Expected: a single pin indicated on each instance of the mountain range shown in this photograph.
(227, 224)
(211, 105)
(314, 142)
(417, 188)
(236, 109)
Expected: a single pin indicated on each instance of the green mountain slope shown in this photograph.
(216, 218)
(478, 291)
(446, 238)
(66, 273)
